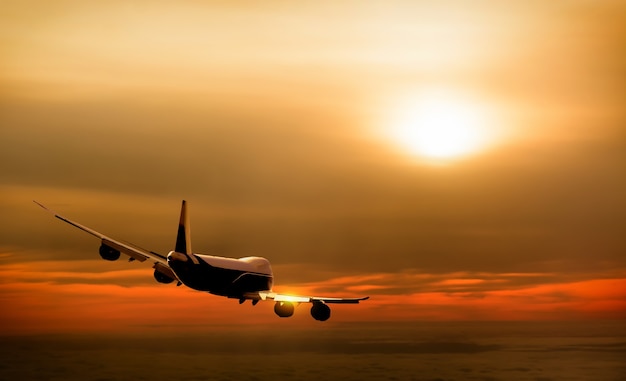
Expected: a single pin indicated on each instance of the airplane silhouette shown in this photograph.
(248, 278)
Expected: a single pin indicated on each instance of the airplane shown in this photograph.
(248, 278)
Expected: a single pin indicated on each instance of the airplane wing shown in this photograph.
(268, 295)
(133, 251)
(285, 304)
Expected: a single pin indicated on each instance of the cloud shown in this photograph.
(484, 296)
(371, 351)
(54, 296)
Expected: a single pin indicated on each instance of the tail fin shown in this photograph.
(183, 239)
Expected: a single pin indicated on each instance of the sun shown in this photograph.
(440, 125)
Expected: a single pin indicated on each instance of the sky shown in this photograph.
(452, 160)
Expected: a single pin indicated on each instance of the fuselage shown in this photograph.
(222, 276)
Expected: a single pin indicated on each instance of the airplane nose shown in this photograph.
(179, 257)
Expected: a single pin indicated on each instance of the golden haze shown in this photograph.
(276, 121)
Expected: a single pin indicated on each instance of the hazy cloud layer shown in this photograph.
(423, 352)
(94, 296)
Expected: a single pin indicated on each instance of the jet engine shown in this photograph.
(108, 253)
(162, 278)
(320, 311)
(284, 309)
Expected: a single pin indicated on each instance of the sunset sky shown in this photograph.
(453, 160)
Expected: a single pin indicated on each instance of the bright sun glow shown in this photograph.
(440, 125)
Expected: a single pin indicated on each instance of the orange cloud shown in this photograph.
(42, 297)
(516, 296)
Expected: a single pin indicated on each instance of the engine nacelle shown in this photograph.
(320, 311)
(284, 309)
(108, 253)
(162, 278)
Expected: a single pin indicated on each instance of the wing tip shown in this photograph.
(43, 206)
